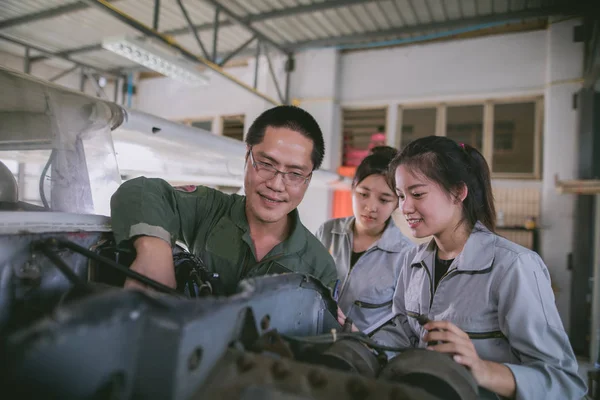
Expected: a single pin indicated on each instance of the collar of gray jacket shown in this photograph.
(392, 240)
(477, 255)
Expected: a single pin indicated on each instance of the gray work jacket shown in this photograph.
(366, 292)
(499, 293)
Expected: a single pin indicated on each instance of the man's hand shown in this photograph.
(155, 260)
(341, 317)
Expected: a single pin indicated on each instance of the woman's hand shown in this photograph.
(342, 319)
(452, 340)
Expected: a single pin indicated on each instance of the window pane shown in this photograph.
(362, 129)
(206, 125)
(233, 127)
(464, 124)
(514, 137)
(417, 123)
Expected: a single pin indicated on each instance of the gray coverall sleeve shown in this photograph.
(530, 321)
(397, 331)
(319, 233)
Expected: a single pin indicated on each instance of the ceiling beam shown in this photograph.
(248, 26)
(249, 19)
(50, 54)
(143, 29)
(435, 26)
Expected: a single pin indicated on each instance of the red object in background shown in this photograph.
(342, 203)
(342, 199)
(353, 156)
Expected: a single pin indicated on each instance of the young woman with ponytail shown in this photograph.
(470, 293)
(367, 247)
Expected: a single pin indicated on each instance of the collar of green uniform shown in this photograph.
(293, 244)
(392, 239)
(477, 255)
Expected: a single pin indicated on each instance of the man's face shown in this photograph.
(271, 199)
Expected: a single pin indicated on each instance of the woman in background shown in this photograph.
(368, 247)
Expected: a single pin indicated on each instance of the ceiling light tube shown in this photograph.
(156, 58)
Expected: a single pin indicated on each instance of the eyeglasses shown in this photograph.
(267, 171)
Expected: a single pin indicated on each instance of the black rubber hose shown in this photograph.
(126, 271)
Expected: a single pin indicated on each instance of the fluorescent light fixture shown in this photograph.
(156, 58)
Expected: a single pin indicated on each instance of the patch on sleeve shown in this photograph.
(186, 188)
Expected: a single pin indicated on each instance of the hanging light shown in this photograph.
(156, 58)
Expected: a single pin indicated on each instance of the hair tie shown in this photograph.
(462, 145)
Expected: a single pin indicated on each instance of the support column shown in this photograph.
(314, 86)
(564, 66)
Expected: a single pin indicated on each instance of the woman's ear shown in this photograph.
(461, 192)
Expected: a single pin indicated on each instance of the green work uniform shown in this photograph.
(214, 226)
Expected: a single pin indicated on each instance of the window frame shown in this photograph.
(376, 106)
(488, 128)
(190, 121)
(238, 117)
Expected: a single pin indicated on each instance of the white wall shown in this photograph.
(492, 65)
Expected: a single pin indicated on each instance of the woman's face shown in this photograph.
(428, 209)
(373, 202)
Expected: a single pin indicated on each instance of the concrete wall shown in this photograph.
(493, 65)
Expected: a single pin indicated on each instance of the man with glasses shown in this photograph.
(236, 236)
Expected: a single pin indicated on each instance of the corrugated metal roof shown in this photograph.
(309, 23)
(18, 8)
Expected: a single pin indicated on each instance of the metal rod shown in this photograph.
(52, 55)
(232, 16)
(288, 71)
(107, 7)
(21, 180)
(258, 44)
(595, 325)
(237, 50)
(63, 73)
(126, 271)
(216, 34)
(116, 91)
(82, 78)
(194, 30)
(99, 91)
(272, 72)
(67, 53)
(156, 14)
(27, 61)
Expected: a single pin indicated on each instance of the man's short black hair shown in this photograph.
(293, 118)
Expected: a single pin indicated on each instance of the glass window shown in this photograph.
(362, 129)
(417, 123)
(514, 138)
(205, 125)
(233, 127)
(464, 124)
